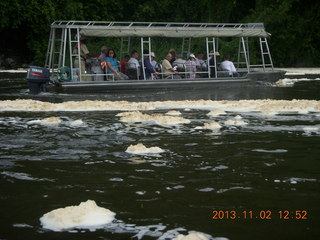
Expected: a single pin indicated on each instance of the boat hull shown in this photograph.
(163, 84)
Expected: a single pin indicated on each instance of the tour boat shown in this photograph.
(66, 35)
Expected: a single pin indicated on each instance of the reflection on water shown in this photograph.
(54, 159)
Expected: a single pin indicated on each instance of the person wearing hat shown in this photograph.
(148, 67)
(191, 66)
(212, 60)
(153, 60)
(103, 53)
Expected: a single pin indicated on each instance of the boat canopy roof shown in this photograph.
(163, 29)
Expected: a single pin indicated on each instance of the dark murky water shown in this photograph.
(270, 165)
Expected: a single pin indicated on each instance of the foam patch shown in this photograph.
(235, 122)
(86, 215)
(173, 113)
(160, 119)
(216, 112)
(140, 149)
(46, 121)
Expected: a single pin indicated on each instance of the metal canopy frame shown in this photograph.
(70, 32)
(107, 24)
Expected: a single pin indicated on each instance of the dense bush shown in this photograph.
(25, 25)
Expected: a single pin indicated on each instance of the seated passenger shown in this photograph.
(180, 63)
(123, 64)
(112, 65)
(227, 65)
(133, 65)
(173, 54)
(191, 67)
(148, 68)
(168, 70)
(200, 63)
(103, 53)
(154, 63)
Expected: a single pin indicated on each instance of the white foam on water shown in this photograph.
(47, 121)
(173, 113)
(22, 225)
(76, 123)
(24, 176)
(216, 112)
(233, 188)
(238, 117)
(140, 149)
(235, 122)
(311, 129)
(288, 82)
(116, 179)
(295, 180)
(160, 119)
(220, 167)
(208, 189)
(87, 215)
(211, 126)
(259, 105)
(140, 192)
(270, 151)
(191, 236)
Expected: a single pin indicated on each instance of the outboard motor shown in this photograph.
(38, 79)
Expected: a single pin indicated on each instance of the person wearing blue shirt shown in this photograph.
(148, 68)
(112, 66)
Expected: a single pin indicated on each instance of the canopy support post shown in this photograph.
(62, 48)
(212, 44)
(52, 49)
(49, 50)
(143, 42)
(185, 41)
(125, 47)
(243, 50)
(264, 52)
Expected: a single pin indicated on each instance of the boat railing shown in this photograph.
(94, 77)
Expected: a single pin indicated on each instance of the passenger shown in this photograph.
(133, 61)
(200, 63)
(148, 68)
(169, 72)
(133, 65)
(214, 55)
(123, 64)
(84, 54)
(227, 65)
(191, 67)
(180, 63)
(156, 66)
(173, 54)
(112, 64)
(153, 61)
(103, 53)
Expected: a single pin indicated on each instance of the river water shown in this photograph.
(260, 167)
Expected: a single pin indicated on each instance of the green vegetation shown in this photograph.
(25, 25)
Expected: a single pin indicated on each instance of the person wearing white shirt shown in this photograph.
(227, 65)
(133, 65)
(133, 61)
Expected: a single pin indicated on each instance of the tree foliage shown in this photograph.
(25, 25)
